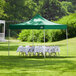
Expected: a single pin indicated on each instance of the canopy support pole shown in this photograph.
(32, 38)
(8, 41)
(44, 43)
(4, 30)
(67, 40)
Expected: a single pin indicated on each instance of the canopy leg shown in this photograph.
(8, 42)
(67, 40)
(44, 43)
(4, 30)
(32, 38)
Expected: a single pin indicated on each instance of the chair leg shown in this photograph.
(19, 53)
(45, 53)
(42, 54)
(34, 54)
(26, 54)
(22, 53)
(29, 54)
(55, 53)
(37, 54)
(58, 54)
(49, 54)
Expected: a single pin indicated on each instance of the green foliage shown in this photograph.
(38, 35)
(2, 4)
(51, 9)
(20, 9)
(26, 9)
(71, 22)
(67, 7)
(73, 2)
(23, 36)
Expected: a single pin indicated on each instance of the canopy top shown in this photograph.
(38, 22)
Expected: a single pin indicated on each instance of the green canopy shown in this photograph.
(38, 22)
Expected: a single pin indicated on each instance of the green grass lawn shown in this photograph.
(15, 65)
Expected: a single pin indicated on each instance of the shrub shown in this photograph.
(23, 36)
(70, 20)
(38, 35)
(68, 7)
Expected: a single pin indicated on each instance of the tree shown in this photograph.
(51, 9)
(2, 12)
(67, 6)
(72, 1)
(20, 9)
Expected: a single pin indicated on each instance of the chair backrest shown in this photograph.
(38, 48)
(19, 48)
(31, 49)
(54, 49)
(47, 48)
(27, 48)
(57, 49)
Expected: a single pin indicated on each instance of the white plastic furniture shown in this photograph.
(38, 49)
(23, 49)
(31, 49)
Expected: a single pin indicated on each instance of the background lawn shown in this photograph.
(15, 65)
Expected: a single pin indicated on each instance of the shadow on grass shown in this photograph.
(11, 48)
(56, 57)
(38, 57)
(49, 63)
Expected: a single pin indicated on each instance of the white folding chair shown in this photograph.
(31, 49)
(38, 49)
(47, 48)
(57, 49)
(25, 50)
(19, 49)
(22, 50)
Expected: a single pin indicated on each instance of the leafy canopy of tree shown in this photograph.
(67, 7)
(20, 9)
(26, 9)
(2, 4)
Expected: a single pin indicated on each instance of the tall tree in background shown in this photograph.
(67, 6)
(51, 9)
(2, 12)
(20, 9)
(26, 9)
(71, 1)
